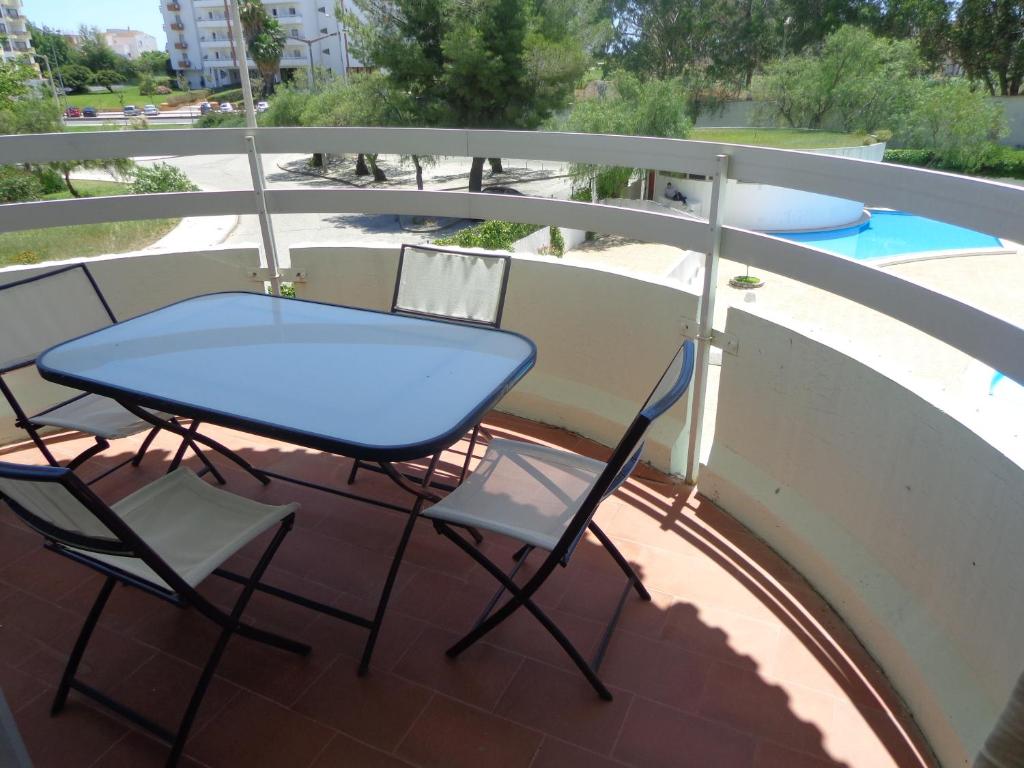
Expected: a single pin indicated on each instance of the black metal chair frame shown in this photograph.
(624, 459)
(25, 421)
(126, 542)
(506, 261)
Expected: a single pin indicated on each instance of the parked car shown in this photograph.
(73, 112)
(262, 106)
(150, 110)
(89, 112)
(227, 107)
(204, 107)
(130, 110)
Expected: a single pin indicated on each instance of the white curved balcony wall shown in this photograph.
(602, 337)
(906, 521)
(768, 208)
(132, 284)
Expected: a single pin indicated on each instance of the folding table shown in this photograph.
(354, 382)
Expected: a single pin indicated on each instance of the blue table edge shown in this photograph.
(403, 452)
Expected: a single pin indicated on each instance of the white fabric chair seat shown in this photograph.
(193, 526)
(529, 492)
(95, 415)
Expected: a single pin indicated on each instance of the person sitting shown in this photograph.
(674, 194)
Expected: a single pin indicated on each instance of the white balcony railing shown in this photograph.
(903, 518)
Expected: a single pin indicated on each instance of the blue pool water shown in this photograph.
(891, 233)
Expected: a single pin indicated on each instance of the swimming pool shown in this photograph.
(892, 233)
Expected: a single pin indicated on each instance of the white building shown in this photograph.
(199, 40)
(130, 43)
(14, 31)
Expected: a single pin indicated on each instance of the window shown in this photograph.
(326, 52)
(295, 33)
(213, 35)
(273, 11)
(323, 30)
(291, 11)
(216, 54)
(209, 14)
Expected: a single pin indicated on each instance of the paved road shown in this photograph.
(117, 117)
(231, 172)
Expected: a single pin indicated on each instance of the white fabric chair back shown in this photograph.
(47, 309)
(52, 502)
(459, 285)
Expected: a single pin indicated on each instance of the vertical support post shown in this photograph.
(242, 57)
(707, 318)
(266, 224)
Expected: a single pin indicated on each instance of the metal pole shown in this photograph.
(309, 45)
(241, 57)
(49, 74)
(707, 319)
(266, 225)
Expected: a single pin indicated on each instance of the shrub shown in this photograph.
(184, 98)
(18, 186)
(107, 78)
(162, 90)
(160, 178)
(50, 179)
(147, 85)
(557, 241)
(924, 158)
(221, 120)
(492, 235)
(232, 94)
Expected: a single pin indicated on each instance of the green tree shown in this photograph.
(29, 114)
(858, 82)
(960, 123)
(155, 63)
(76, 77)
(51, 44)
(630, 106)
(147, 86)
(928, 22)
(989, 40)
(14, 77)
(264, 39)
(473, 63)
(108, 78)
(93, 51)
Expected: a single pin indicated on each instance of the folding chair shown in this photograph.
(546, 498)
(464, 286)
(164, 539)
(46, 309)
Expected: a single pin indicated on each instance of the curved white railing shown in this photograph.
(986, 206)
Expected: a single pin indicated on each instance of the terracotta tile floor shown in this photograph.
(735, 662)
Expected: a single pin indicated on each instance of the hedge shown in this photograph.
(1004, 162)
(491, 235)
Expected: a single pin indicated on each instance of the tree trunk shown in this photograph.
(419, 172)
(378, 174)
(361, 169)
(495, 165)
(318, 160)
(476, 175)
(67, 183)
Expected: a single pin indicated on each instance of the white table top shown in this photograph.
(351, 381)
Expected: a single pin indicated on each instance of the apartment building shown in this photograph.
(15, 40)
(200, 40)
(130, 43)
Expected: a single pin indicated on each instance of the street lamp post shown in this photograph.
(49, 74)
(309, 46)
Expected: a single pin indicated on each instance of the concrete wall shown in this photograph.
(905, 520)
(1013, 106)
(541, 239)
(767, 208)
(602, 337)
(132, 284)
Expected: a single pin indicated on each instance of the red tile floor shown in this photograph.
(735, 662)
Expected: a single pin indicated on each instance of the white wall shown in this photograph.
(907, 522)
(602, 337)
(132, 284)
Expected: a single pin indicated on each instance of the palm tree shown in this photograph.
(265, 40)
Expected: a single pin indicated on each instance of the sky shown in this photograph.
(69, 15)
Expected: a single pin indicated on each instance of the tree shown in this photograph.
(108, 78)
(51, 44)
(147, 86)
(155, 63)
(989, 39)
(629, 106)
(264, 39)
(76, 77)
(858, 82)
(928, 22)
(14, 77)
(960, 123)
(93, 51)
(472, 63)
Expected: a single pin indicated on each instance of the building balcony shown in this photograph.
(216, 21)
(177, 26)
(181, 46)
(173, 7)
(183, 64)
(837, 588)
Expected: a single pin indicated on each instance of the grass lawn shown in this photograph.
(116, 100)
(56, 243)
(781, 138)
(154, 126)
